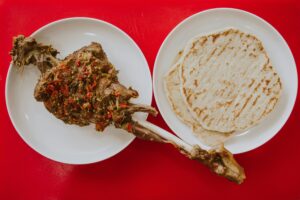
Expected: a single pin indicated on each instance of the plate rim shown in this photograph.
(34, 147)
(240, 11)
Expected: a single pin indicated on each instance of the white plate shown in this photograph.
(278, 50)
(50, 136)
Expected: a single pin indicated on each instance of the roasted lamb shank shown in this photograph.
(83, 88)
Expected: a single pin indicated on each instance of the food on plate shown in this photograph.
(83, 88)
(172, 87)
(222, 83)
(227, 81)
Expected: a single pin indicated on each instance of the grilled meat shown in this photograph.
(83, 88)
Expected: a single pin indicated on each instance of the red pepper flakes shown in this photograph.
(108, 115)
(71, 100)
(117, 94)
(63, 66)
(54, 93)
(66, 69)
(94, 84)
(129, 127)
(65, 90)
(123, 105)
(78, 63)
(89, 95)
(50, 87)
(88, 88)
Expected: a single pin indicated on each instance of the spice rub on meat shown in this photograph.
(81, 89)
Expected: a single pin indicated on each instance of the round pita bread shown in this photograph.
(228, 81)
(172, 88)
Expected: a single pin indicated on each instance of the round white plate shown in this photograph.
(214, 20)
(50, 136)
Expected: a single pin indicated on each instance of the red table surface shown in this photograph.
(144, 170)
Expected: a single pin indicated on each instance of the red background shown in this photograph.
(144, 170)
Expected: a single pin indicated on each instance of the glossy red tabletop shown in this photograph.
(144, 170)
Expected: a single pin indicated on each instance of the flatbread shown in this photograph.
(227, 81)
(172, 88)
